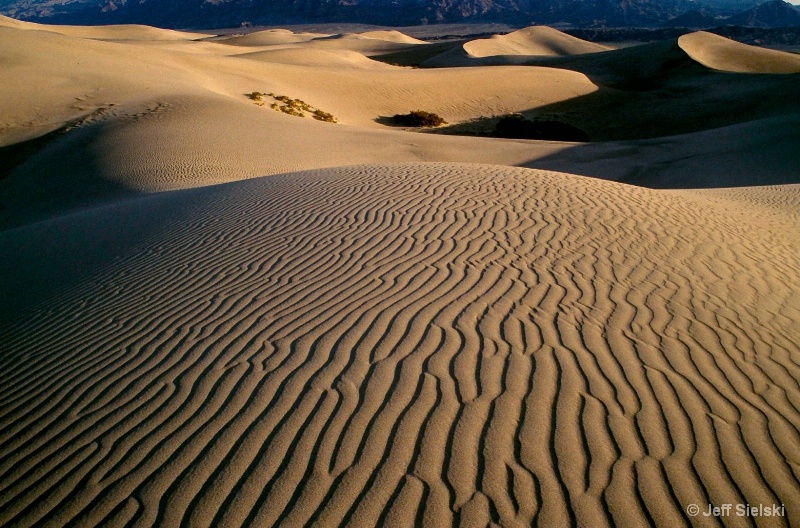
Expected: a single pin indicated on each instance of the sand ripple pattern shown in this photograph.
(416, 344)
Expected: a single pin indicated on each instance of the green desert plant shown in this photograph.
(418, 118)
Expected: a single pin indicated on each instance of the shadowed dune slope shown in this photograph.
(536, 40)
(759, 152)
(723, 54)
(391, 36)
(423, 344)
(658, 90)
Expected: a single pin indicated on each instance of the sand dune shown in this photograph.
(658, 90)
(137, 116)
(759, 152)
(369, 43)
(517, 48)
(378, 344)
(726, 55)
(270, 37)
(536, 40)
(213, 313)
(116, 32)
(391, 36)
(317, 57)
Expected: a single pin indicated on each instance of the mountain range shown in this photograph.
(235, 13)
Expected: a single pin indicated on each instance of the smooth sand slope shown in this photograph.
(720, 53)
(536, 40)
(385, 345)
(122, 32)
(217, 314)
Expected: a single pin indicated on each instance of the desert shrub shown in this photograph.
(517, 127)
(295, 107)
(418, 118)
(291, 110)
(319, 115)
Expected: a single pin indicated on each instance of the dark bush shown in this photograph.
(516, 126)
(418, 118)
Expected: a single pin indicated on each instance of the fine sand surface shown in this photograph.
(538, 40)
(213, 313)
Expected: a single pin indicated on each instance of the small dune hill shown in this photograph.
(536, 40)
(633, 68)
(525, 46)
(19, 24)
(392, 36)
(720, 53)
(269, 37)
(368, 43)
(126, 32)
(423, 55)
(322, 58)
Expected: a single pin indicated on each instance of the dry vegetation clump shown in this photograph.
(418, 118)
(257, 97)
(295, 107)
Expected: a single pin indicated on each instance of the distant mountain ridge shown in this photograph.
(776, 13)
(234, 13)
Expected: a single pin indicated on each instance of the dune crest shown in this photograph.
(724, 54)
(322, 58)
(392, 36)
(535, 40)
(270, 37)
(131, 32)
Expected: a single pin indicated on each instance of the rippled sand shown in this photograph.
(392, 336)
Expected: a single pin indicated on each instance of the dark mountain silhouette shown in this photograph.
(695, 19)
(774, 14)
(233, 13)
